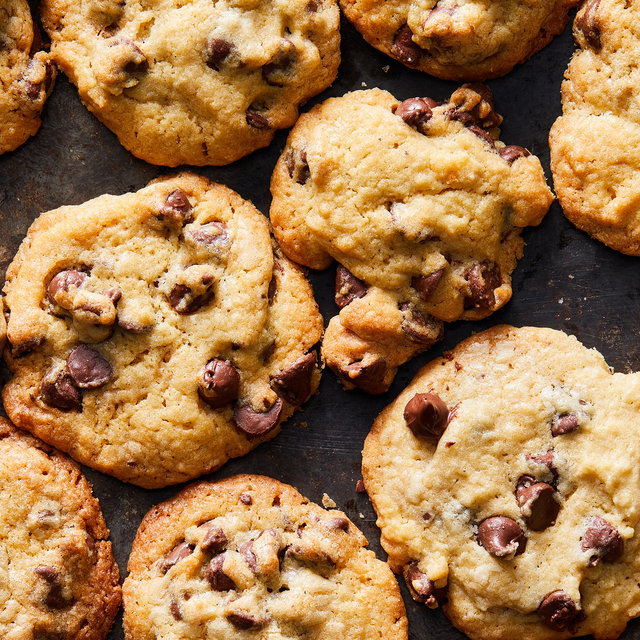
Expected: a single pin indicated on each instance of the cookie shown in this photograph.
(595, 144)
(58, 575)
(201, 82)
(249, 556)
(156, 334)
(505, 478)
(459, 39)
(422, 208)
(26, 75)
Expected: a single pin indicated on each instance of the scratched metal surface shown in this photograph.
(565, 280)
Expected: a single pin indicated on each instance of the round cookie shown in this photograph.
(505, 478)
(58, 575)
(156, 334)
(249, 556)
(26, 75)
(595, 144)
(459, 39)
(422, 207)
(199, 82)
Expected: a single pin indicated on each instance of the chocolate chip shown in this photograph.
(421, 588)
(589, 24)
(246, 551)
(50, 574)
(603, 541)
(483, 135)
(483, 278)
(88, 368)
(174, 607)
(218, 383)
(138, 61)
(348, 287)
(214, 540)
(63, 281)
(426, 285)
(276, 71)
(176, 208)
(564, 423)
(297, 166)
(560, 612)
(404, 48)
(22, 348)
(55, 598)
(244, 620)
(416, 112)
(339, 524)
(547, 460)
(294, 383)
(368, 376)
(212, 234)
(512, 152)
(216, 51)
(132, 326)
(216, 577)
(537, 503)
(246, 498)
(416, 326)
(473, 105)
(178, 553)
(183, 298)
(360, 488)
(272, 290)
(501, 536)
(426, 415)
(58, 390)
(255, 120)
(254, 424)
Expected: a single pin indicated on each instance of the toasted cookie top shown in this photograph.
(420, 204)
(26, 75)
(58, 575)
(250, 557)
(459, 39)
(505, 478)
(200, 82)
(595, 144)
(156, 334)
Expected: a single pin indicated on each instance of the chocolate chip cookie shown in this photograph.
(59, 579)
(420, 204)
(26, 75)
(459, 39)
(156, 334)
(250, 557)
(595, 144)
(199, 82)
(505, 478)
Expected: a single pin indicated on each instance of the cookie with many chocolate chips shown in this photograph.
(59, 579)
(420, 204)
(595, 144)
(518, 528)
(199, 82)
(157, 334)
(26, 75)
(459, 39)
(249, 556)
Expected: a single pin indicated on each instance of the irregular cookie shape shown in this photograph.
(420, 204)
(459, 39)
(516, 507)
(58, 575)
(26, 75)
(595, 144)
(199, 82)
(251, 557)
(156, 334)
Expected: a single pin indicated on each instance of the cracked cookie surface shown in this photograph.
(59, 579)
(595, 144)
(505, 479)
(201, 82)
(156, 334)
(26, 75)
(421, 206)
(459, 39)
(249, 557)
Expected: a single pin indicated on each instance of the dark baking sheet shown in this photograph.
(565, 280)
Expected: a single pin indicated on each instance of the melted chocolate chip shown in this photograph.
(138, 61)
(54, 599)
(512, 152)
(483, 278)
(339, 524)
(276, 71)
(178, 553)
(254, 424)
(214, 540)
(537, 503)
(22, 348)
(564, 423)
(421, 588)
(369, 376)
(603, 541)
(58, 390)
(560, 612)
(212, 234)
(589, 24)
(174, 607)
(348, 287)
(256, 120)
(415, 325)
(482, 134)
(216, 577)
(501, 536)
(88, 368)
(63, 281)
(218, 383)
(176, 208)
(181, 297)
(246, 498)
(246, 551)
(272, 290)
(404, 48)
(294, 383)
(297, 166)
(547, 459)
(426, 285)
(416, 112)
(217, 50)
(474, 106)
(243, 620)
(426, 415)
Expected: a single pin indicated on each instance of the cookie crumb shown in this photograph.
(360, 487)
(386, 68)
(327, 502)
